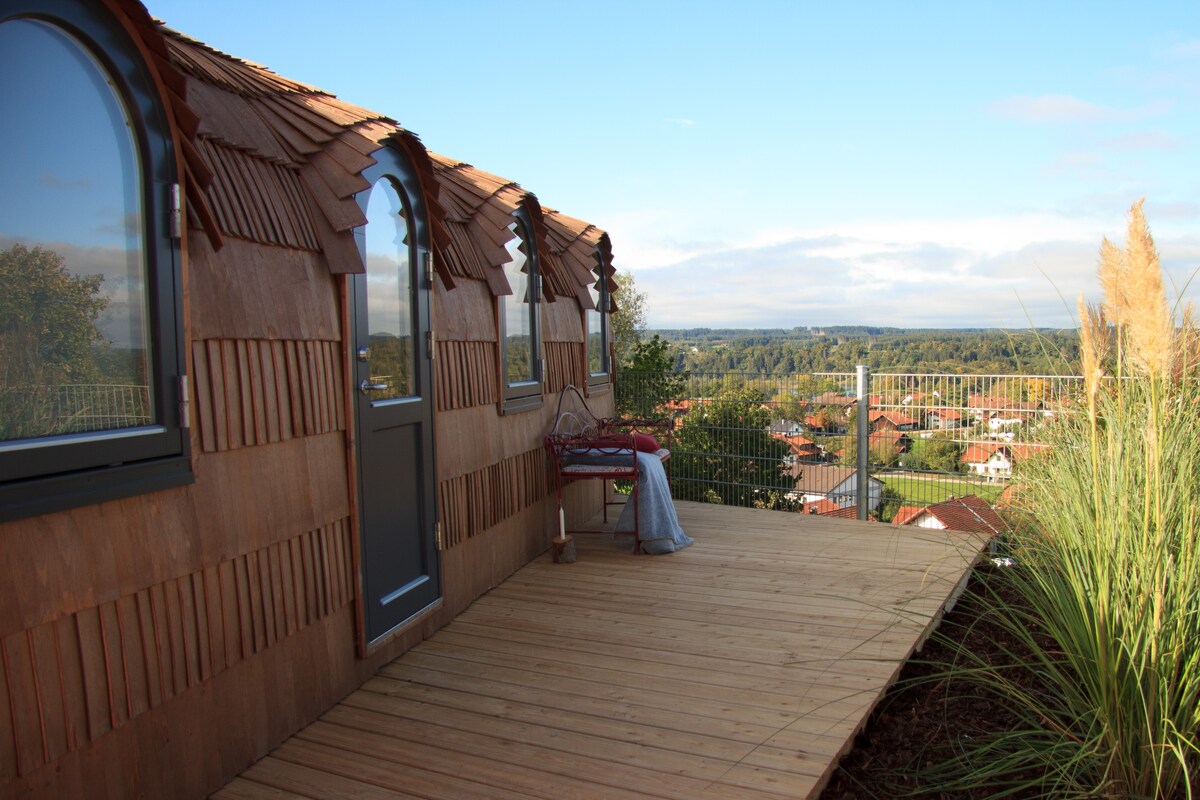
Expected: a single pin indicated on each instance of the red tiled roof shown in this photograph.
(822, 506)
(799, 445)
(907, 513)
(894, 417)
(967, 513)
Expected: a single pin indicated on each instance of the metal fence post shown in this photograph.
(863, 434)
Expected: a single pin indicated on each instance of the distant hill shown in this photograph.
(840, 348)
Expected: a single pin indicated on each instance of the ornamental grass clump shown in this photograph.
(1101, 617)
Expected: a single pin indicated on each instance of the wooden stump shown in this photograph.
(564, 550)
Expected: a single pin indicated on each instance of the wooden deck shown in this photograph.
(741, 667)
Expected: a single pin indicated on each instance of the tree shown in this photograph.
(649, 380)
(943, 455)
(43, 303)
(889, 503)
(629, 320)
(724, 453)
(48, 338)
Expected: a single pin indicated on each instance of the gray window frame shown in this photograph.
(39, 476)
(604, 377)
(527, 394)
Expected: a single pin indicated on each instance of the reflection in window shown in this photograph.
(597, 325)
(74, 351)
(390, 292)
(519, 309)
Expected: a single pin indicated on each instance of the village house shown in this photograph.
(891, 421)
(801, 448)
(943, 418)
(995, 460)
(968, 513)
(838, 484)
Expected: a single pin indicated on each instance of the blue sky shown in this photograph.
(773, 164)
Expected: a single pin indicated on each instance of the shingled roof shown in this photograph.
(278, 162)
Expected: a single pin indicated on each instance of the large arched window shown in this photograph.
(90, 362)
(599, 366)
(520, 344)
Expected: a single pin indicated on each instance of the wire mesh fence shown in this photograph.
(793, 442)
(31, 412)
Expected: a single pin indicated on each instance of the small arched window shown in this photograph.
(597, 320)
(90, 360)
(520, 346)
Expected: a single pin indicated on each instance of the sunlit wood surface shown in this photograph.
(741, 667)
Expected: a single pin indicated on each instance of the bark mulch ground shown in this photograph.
(918, 721)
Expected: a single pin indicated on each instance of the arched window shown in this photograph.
(599, 367)
(521, 350)
(90, 358)
(390, 262)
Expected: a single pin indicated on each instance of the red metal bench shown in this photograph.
(579, 437)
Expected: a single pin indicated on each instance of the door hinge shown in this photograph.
(437, 536)
(175, 212)
(429, 269)
(185, 406)
(430, 344)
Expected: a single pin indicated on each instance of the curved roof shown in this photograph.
(279, 162)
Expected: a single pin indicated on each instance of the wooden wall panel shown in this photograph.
(466, 313)
(562, 321)
(73, 680)
(253, 292)
(255, 391)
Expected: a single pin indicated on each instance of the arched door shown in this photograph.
(393, 385)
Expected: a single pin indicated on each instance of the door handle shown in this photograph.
(367, 386)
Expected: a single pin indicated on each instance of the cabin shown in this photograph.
(274, 380)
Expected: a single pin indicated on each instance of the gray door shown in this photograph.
(394, 403)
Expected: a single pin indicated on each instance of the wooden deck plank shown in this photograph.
(741, 667)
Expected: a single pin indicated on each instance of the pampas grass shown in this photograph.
(1104, 675)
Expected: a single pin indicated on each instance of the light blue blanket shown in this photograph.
(658, 525)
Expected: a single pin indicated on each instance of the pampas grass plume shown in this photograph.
(1147, 315)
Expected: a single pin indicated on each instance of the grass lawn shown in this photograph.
(923, 489)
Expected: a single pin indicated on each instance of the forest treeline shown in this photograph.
(840, 349)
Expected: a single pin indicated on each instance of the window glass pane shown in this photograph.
(595, 342)
(596, 351)
(74, 348)
(518, 313)
(389, 292)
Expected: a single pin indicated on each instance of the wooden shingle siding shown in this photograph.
(71, 680)
(252, 392)
(466, 374)
(566, 363)
(278, 216)
(471, 503)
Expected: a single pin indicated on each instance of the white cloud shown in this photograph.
(1065, 108)
(1143, 140)
(1074, 162)
(1184, 50)
(1012, 272)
